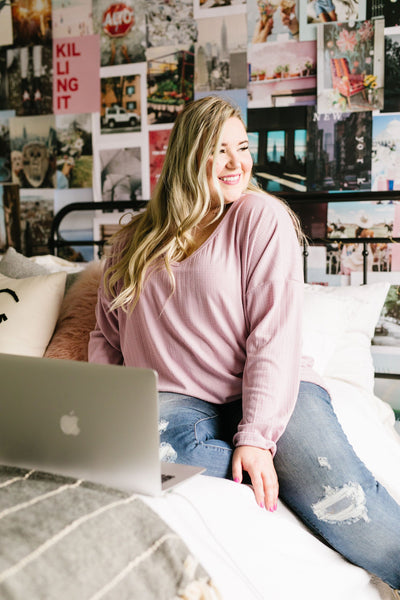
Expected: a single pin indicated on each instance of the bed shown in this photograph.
(207, 539)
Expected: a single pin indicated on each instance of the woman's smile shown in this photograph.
(230, 168)
(230, 179)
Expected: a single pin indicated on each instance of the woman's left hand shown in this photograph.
(260, 466)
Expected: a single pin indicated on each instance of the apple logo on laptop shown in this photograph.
(69, 424)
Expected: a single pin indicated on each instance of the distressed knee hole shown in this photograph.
(324, 462)
(167, 452)
(162, 425)
(345, 504)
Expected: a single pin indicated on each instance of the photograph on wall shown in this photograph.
(121, 174)
(350, 66)
(392, 70)
(122, 29)
(221, 53)
(10, 229)
(76, 74)
(238, 98)
(170, 75)
(31, 22)
(120, 103)
(281, 136)
(216, 8)
(323, 266)
(6, 28)
(282, 74)
(5, 148)
(34, 141)
(74, 151)
(386, 152)
(106, 224)
(272, 21)
(76, 225)
(313, 12)
(36, 216)
(29, 77)
(104, 227)
(158, 142)
(71, 18)
(382, 8)
(363, 220)
(339, 151)
(254, 144)
(4, 100)
(167, 21)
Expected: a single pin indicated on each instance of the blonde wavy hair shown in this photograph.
(162, 233)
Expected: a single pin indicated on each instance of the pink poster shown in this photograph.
(76, 74)
(396, 233)
(158, 142)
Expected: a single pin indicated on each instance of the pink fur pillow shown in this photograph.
(77, 317)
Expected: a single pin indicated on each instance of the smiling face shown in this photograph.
(232, 165)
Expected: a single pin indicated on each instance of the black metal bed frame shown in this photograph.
(294, 199)
(56, 241)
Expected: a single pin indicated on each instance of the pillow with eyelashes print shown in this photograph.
(29, 309)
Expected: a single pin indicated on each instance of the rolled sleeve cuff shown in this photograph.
(246, 438)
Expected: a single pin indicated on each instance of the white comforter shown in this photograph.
(253, 554)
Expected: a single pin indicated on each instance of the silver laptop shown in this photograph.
(88, 421)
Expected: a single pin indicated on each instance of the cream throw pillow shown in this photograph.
(29, 310)
(338, 325)
(325, 320)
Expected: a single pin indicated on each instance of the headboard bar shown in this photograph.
(56, 240)
(294, 198)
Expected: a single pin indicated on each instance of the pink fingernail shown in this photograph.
(236, 479)
(261, 504)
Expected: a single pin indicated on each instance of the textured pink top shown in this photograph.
(231, 329)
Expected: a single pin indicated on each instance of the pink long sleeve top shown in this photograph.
(231, 329)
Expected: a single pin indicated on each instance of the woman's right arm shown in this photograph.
(104, 340)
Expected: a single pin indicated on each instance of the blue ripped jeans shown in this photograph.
(320, 477)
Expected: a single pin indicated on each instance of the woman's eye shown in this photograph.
(243, 148)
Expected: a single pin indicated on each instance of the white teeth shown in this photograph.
(230, 178)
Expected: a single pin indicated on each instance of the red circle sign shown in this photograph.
(118, 19)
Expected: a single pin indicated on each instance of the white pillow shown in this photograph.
(347, 349)
(29, 310)
(325, 320)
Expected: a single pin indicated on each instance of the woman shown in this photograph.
(205, 287)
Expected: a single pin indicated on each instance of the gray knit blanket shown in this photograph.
(66, 539)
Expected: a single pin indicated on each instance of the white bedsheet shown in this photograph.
(253, 554)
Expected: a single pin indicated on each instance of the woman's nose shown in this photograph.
(233, 161)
